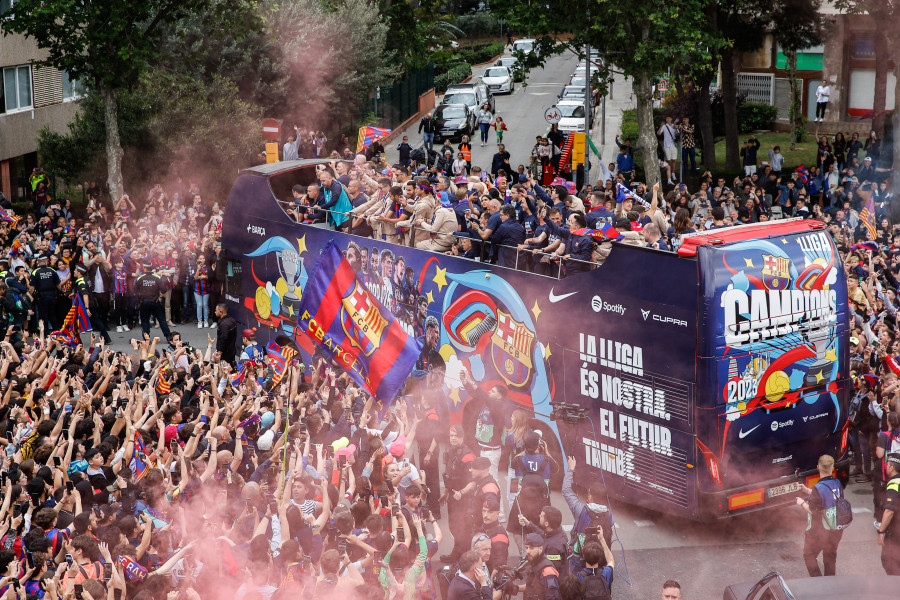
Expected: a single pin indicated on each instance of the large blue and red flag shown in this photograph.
(279, 357)
(368, 135)
(347, 322)
(84, 321)
(867, 214)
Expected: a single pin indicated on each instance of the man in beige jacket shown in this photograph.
(423, 210)
(442, 226)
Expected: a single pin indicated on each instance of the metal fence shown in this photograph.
(756, 87)
(401, 101)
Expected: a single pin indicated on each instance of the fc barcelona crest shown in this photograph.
(512, 346)
(776, 272)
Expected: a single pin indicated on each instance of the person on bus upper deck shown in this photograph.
(598, 213)
(507, 238)
(422, 209)
(653, 237)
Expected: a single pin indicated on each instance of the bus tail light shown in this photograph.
(745, 499)
(712, 464)
(844, 439)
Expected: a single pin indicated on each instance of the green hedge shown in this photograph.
(453, 75)
(755, 115)
(480, 53)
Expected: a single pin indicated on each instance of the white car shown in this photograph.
(572, 112)
(499, 80)
(525, 45)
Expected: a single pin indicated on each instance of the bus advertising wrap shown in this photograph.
(617, 346)
(777, 341)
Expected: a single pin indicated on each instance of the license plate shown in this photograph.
(781, 490)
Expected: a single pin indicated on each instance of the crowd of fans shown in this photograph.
(154, 473)
(504, 215)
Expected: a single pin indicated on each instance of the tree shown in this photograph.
(886, 14)
(106, 44)
(642, 39)
(337, 53)
(799, 27)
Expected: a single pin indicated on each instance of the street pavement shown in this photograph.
(523, 112)
(650, 547)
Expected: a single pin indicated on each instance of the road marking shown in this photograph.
(645, 523)
(857, 510)
(539, 93)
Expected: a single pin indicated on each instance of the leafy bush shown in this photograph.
(453, 75)
(630, 125)
(481, 52)
(478, 25)
(755, 115)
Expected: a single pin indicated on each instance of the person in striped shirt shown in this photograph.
(201, 292)
(122, 313)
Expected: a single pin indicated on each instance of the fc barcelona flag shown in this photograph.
(368, 135)
(347, 322)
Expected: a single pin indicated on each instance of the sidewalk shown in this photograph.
(619, 99)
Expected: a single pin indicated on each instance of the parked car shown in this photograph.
(473, 95)
(573, 92)
(511, 63)
(572, 111)
(454, 121)
(499, 80)
(774, 587)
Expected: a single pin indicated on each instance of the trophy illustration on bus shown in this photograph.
(277, 304)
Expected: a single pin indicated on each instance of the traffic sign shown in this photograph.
(271, 129)
(552, 115)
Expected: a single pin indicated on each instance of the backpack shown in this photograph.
(533, 485)
(598, 519)
(843, 512)
(595, 586)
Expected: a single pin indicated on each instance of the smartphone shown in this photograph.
(174, 444)
(57, 460)
(70, 487)
(29, 559)
(69, 559)
(107, 572)
(78, 590)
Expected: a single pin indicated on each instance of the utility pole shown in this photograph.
(587, 116)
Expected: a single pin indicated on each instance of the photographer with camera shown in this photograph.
(592, 518)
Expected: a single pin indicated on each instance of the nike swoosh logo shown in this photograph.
(742, 434)
(554, 298)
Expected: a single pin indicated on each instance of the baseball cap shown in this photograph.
(248, 333)
(399, 446)
(854, 340)
(492, 504)
(535, 540)
(481, 463)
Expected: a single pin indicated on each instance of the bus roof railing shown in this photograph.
(725, 235)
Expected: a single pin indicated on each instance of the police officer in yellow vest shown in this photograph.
(889, 534)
